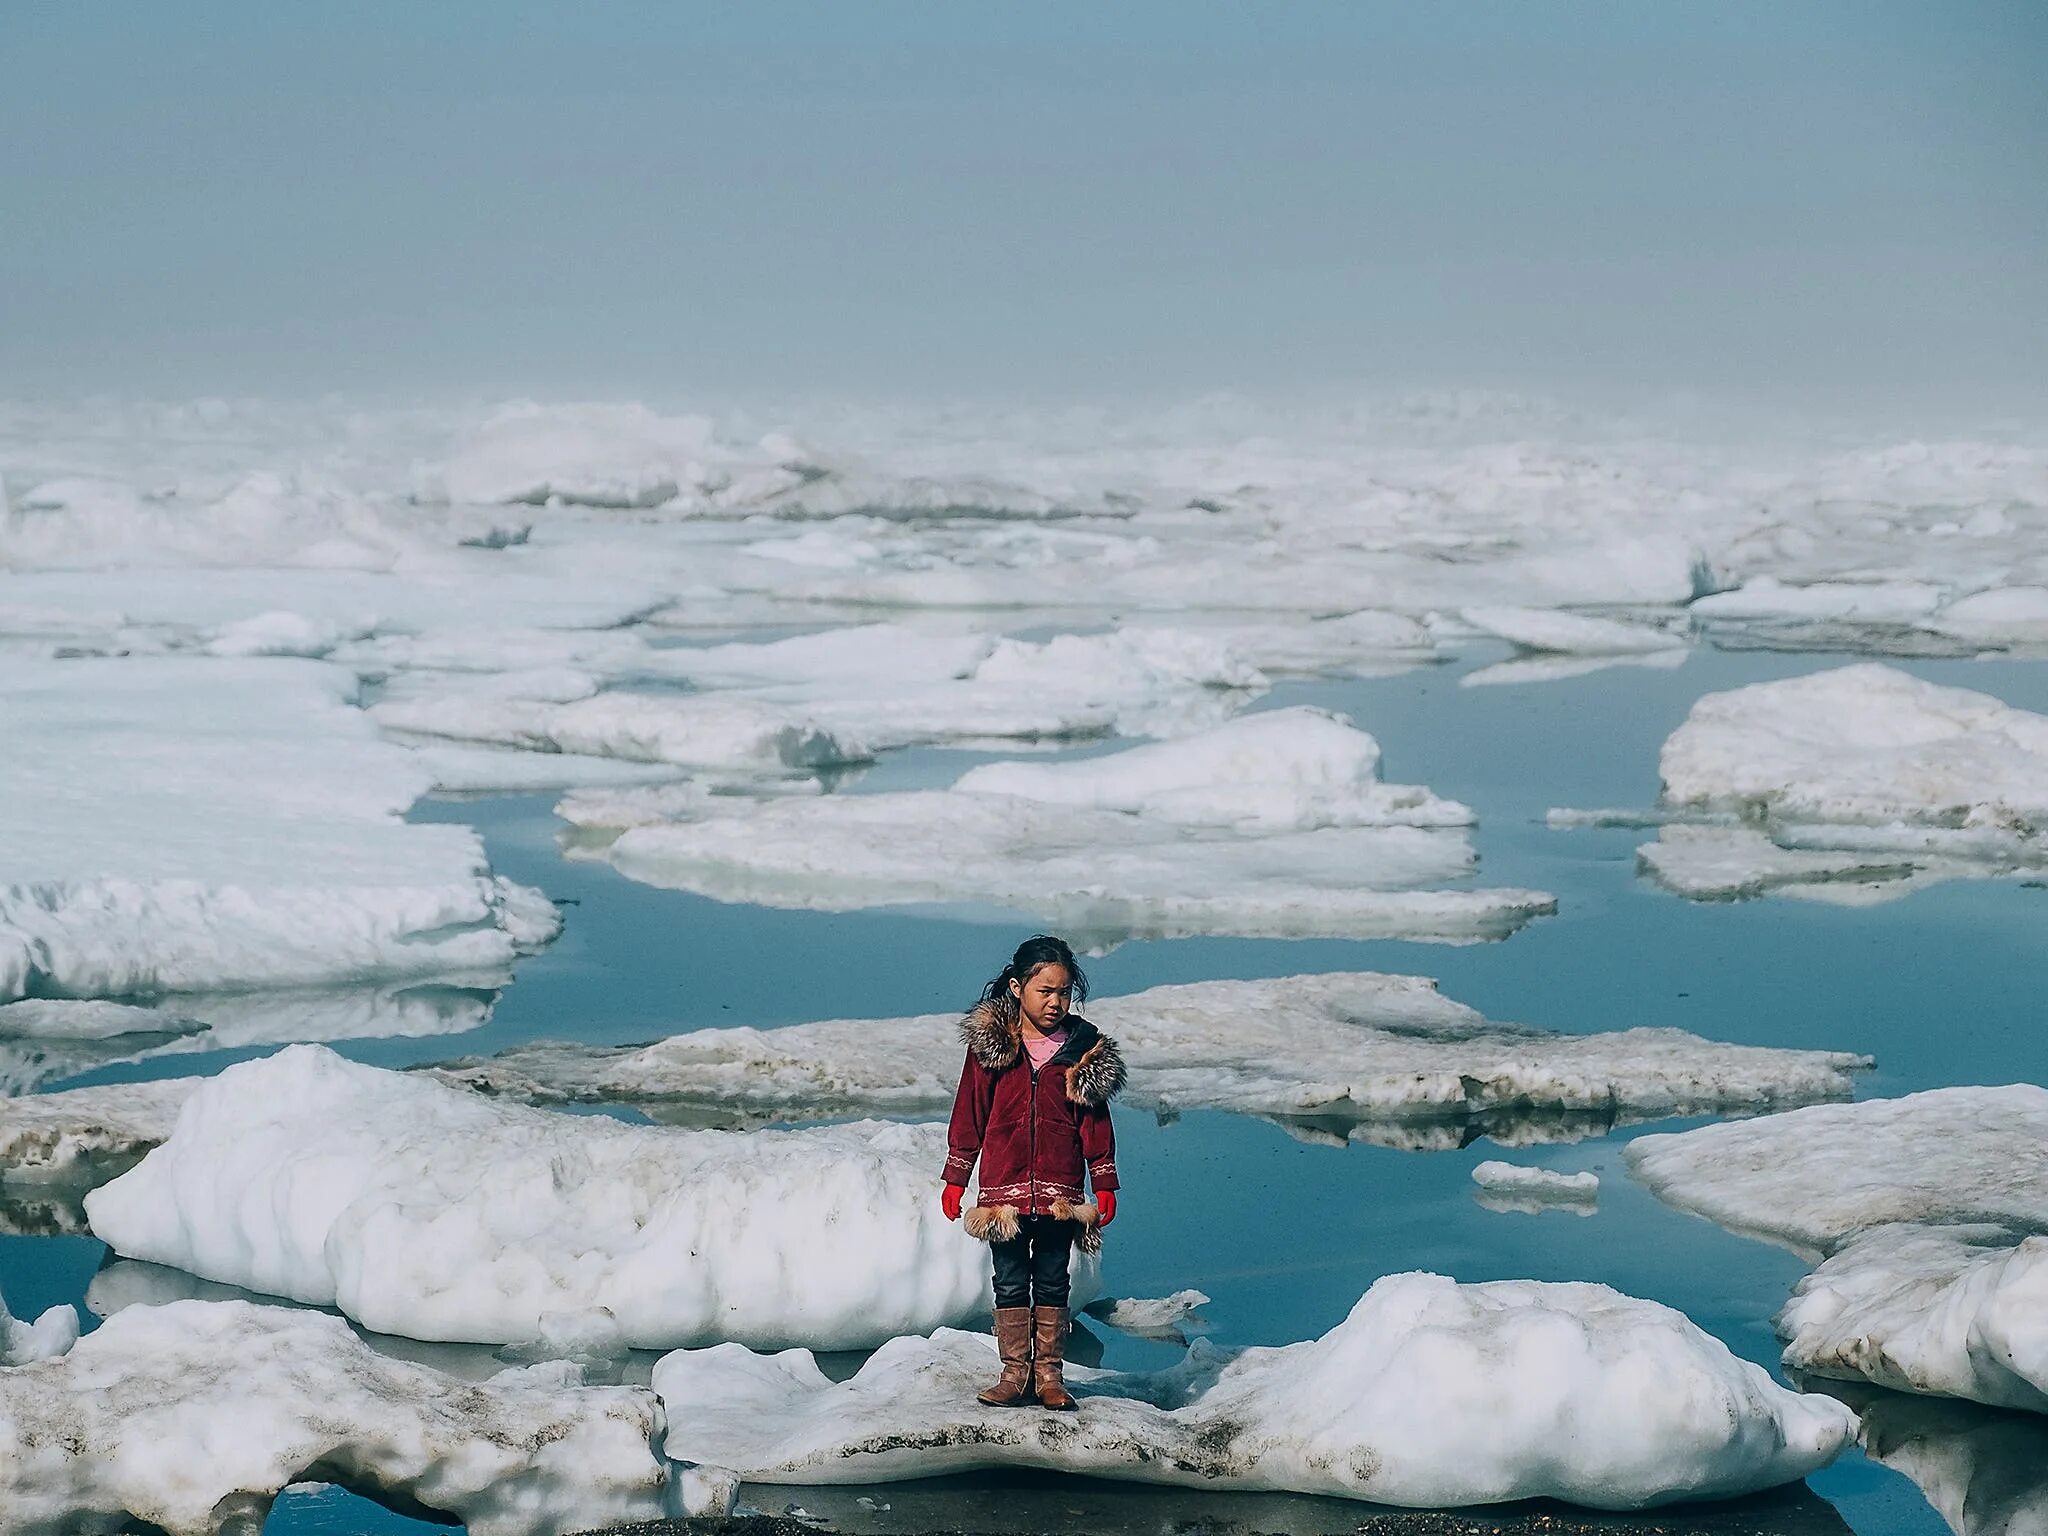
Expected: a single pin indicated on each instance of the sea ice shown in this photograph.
(1430, 1393)
(1344, 1046)
(1293, 769)
(1149, 1316)
(420, 1210)
(1926, 1211)
(1539, 1184)
(688, 730)
(1855, 785)
(174, 825)
(1260, 828)
(79, 1134)
(1570, 634)
(49, 1336)
(194, 1416)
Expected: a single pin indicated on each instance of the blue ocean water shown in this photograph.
(1285, 1233)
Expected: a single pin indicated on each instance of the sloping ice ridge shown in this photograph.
(420, 1210)
(1430, 1393)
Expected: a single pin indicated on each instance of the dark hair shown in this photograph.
(1039, 949)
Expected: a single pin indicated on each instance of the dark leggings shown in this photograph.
(1031, 1269)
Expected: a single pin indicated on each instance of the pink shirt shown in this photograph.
(1042, 1048)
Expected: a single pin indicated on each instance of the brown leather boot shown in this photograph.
(1049, 1339)
(1013, 1343)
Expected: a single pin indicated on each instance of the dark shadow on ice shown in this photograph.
(1026, 1504)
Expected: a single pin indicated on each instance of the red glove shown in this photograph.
(949, 1200)
(1105, 1202)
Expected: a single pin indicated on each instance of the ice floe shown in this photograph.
(1265, 827)
(1535, 1186)
(79, 1134)
(175, 825)
(1569, 634)
(1927, 1212)
(1296, 769)
(1160, 1317)
(1856, 784)
(420, 1210)
(195, 1416)
(1430, 1393)
(1338, 1047)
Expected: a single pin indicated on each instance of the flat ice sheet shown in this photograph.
(1345, 1045)
(1429, 1394)
(172, 825)
(420, 1210)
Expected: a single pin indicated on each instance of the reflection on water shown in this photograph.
(1984, 1469)
(1286, 1225)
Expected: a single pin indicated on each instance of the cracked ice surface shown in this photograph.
(173, 825)
(198, 1414)
(1267, 826)
(1430, 1393)
(1347, 1045)
(1927, 1213)
(420, 1210)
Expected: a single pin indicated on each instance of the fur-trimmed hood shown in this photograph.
(994, 1032)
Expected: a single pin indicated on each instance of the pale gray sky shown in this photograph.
(1826, 199)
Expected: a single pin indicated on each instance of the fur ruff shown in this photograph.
(1002, 1223)
(995, 1034)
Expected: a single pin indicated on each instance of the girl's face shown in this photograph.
(1044, 996)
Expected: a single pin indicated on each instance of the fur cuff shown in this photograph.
(992, 1223)
(1088, 1216)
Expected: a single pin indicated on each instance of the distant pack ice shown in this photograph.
(1346, 1047)
(420, 1210)
(1430, 1393)
(175, 825)
(1927, 1213)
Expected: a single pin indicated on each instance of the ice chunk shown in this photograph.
(49, 1336)
(1285, 769)
(1103, 876)
(496, 770)
(692, 730)
(1151, 1316)
(424, 1211)
(1340, 1046)
(1541, 1184)
(1857, 784)
(174, 825)
(1571, 634)
(1998, 615)
(1862, 744)
(1926, 1210)
(1430, 1393)
(198, 1414)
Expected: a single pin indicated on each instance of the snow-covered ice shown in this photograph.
(80, 1133)
(421, 1210)
(195, 1416)
(1263, 827)
(1343, 1045)
(1926, 1212)
(1279, 770)
(1149, 1316)
(50, 1335)
(1430, 1393)
(1569, 634)
(173, 825)
(1544, 1185)
(1854, 785)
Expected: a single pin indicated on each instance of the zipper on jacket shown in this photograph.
(1031, 1167)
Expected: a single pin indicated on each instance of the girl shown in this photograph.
(1033, 1105)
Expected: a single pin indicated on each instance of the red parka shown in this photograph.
(1038, 1134)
